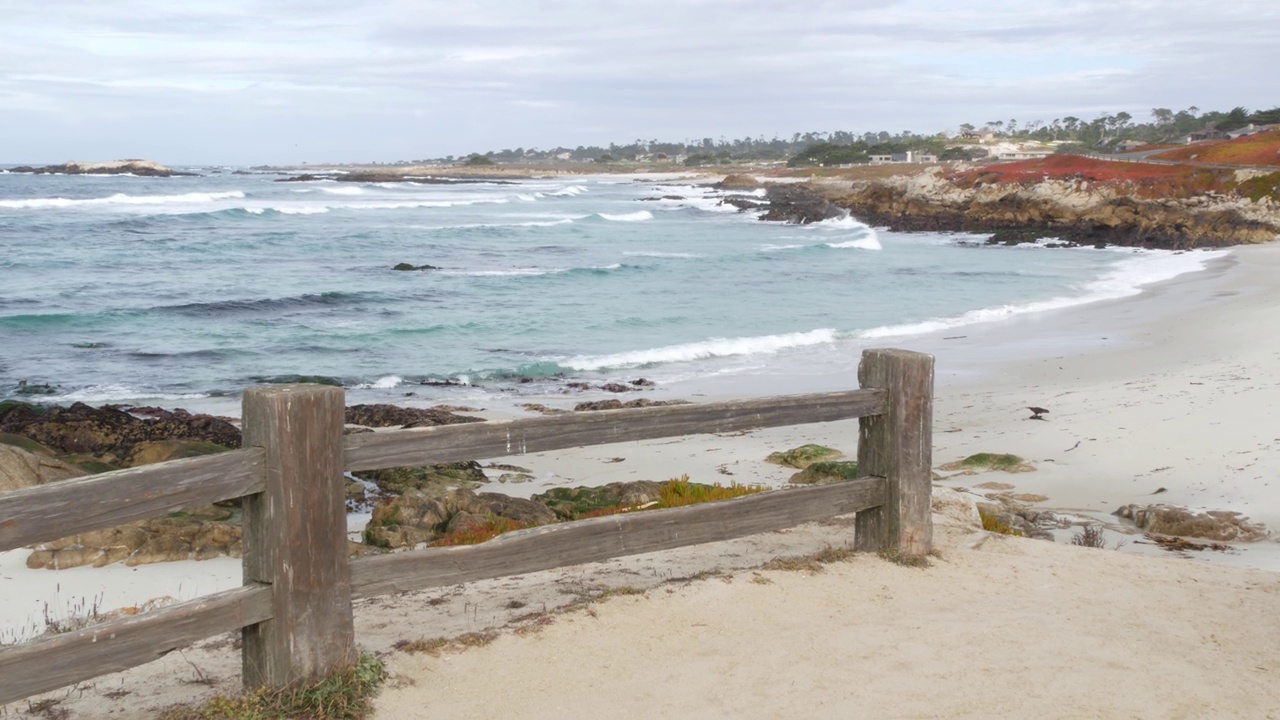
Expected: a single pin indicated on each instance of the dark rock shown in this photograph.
(799, 203)
(618, 404)
(406, 266)
(144, 168)
(615, 388)
(109, 433)
(641, 382)
(381, 415)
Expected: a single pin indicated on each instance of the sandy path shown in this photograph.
(1014, 628)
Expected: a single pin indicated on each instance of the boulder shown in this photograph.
(417, 517)
(738, 181)
(955, 508)
(825, 473)
(1219, 525)
(199, 535)
(158, 451)
(21, 468)
(803, 456)
(575, 502)
(431, 479)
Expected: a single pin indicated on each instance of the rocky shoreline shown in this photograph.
(142, 168)
(1076, 211)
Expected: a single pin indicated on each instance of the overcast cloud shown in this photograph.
(283, 81)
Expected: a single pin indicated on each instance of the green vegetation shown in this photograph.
(826, 471)
(476, 532)
(803, 456)
(344, 695)
(478, 161)
(680, 492)
(1104, 133)
(992, 522)
(990, 461)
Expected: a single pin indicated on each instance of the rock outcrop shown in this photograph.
(146, 168)
(21, 468)
(419, 517)
(1220, 525)
(1072, 210)
(381, 416)
(110, 433)
(196, 535)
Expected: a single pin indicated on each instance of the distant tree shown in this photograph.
(478, 160)
(1162, 116)
(1236, 118)
(606, 158)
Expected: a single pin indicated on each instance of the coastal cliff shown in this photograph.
(1073, 199)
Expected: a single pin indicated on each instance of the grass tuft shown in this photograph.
(992, 522)
(679, 492)
(341, 696)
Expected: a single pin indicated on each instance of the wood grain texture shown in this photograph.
(295, 536)
(60, 660)
(596, 539)
(96, 502)
(453, 443)
(898, 446)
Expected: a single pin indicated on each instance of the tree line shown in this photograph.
(841, 147)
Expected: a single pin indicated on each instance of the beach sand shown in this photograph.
(1170, 389)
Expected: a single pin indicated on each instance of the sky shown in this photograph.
(242, 82)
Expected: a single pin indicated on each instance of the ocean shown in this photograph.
(183, 291)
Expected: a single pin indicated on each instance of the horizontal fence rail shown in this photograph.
(52, 662)
(97, 502)
(596, 539)
(294, 610)
(452, 443)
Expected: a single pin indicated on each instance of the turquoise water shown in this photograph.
(181, 290)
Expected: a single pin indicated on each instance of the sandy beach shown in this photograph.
(1169, 389)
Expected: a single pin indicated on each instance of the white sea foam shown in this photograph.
(117, 393)
(569, 191)
(120, 199)
(383, 383)
(527, 271)
(655, 254)
(342, 190)
(715, 347)
(862, 243)
(638, 216)
(779, 248)
(1126, 279)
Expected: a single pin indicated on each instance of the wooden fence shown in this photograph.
(295, 607)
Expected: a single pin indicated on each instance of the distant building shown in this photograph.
(1130, 145)
(910, 156)
(1024, 154)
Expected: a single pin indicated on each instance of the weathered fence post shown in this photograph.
(898, 446)
(295, 536)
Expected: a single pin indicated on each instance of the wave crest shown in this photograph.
(715, 347)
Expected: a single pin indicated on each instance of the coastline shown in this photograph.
(1107, 370)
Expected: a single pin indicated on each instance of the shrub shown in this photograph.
(1089, 536)
(343, 695)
